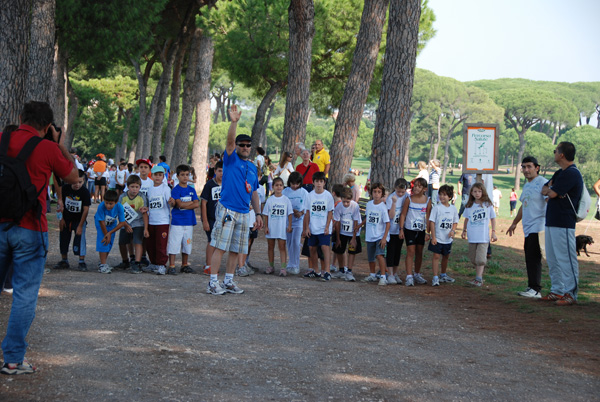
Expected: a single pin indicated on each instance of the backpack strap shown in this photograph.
(28, 148)
(4, 143)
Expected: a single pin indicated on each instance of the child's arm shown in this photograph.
(84, 214)
(427, 213)
(146, 220)
(306, 231)
(171, 202)
(464, 232)
(204, 214)
(266, 222)
(329, 217)
(392, 210)
(383, 240)
(289, 228)
(403, 217)
(494, 237)
(453, 231)
(431, 228)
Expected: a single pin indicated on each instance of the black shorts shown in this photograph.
(345, 241)
(211, 224)
(100, 181)
(394, 250)
(414, 237)
(253, 234)
(119, 187)
(137, 237)
(443, 249)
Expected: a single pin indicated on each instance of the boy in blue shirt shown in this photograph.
(183, 220)
(109, 211)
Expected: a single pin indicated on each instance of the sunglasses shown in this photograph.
(244, 145)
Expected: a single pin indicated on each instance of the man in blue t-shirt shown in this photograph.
(231, 230)
(564, 192)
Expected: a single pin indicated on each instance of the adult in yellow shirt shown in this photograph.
(321, 158)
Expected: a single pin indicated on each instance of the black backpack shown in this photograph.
(18, 194)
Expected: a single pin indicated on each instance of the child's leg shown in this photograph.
(151, 243)
(241, 259)
(326, 249)
(282, 253)
(184, 259)
(271, 251)
(381, 262)
(171, 260)
(372, 267)
(445, 259)
(82, 244)
(294, 247)
(350, 261)
(64, 241)
(131, 249)
(418, 257)
(314, 263)
(410, 254)
(123, 251)
(435, 263)
(103, 257)
(138, 252)
(479, 271)
(161, 246)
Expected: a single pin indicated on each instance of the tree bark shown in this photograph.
(142, 87)
(125, 137)
(392, 129)
(357, 88)
(263, 136)
(14, 42)
(202, 131)
(58, 93)
(453, 126)
(159, 119)
(554, 133)
(439, 137)
(301, 16)
(261, 111)
(190, 99)
(41, 51)
(73, 102)
(218, 108)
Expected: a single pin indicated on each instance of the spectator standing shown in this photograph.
(465, 182)
(307, 169)
(322, 158)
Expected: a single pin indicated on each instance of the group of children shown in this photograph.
(154, 219)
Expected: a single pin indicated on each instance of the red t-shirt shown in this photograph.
(45, 159)
(312, 169)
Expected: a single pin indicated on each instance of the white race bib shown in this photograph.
(130, 214)
(418, 225)
(156, 203)
(216, 193)
(73, 206)
(346, 226)
(109, 220)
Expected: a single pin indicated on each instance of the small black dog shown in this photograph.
(582, 241)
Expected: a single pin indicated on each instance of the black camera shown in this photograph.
(49, 135)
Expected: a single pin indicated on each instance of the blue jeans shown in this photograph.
(22, 247)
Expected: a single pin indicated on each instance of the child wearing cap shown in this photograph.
(159, 201)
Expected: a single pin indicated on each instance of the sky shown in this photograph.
(550, 40)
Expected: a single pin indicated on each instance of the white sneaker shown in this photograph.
(419, 280)
(104, 269)
(391, 280)
(370, 279)
(530, 293)
(293, 270)
(398, 280)
(349, 277)
(447, 279)
(435, 281)
(161, 270)
(382, 281)
(338, 274)
(242, 271)
(410, 281)
(214, 288)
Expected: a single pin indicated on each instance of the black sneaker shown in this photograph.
(62, 265)
(135, 268)
(186, 269)
(144, 261)
(82, 266)
(122, 265)
(171, 271)
(131, 259)
(326, 277)
(312, 274)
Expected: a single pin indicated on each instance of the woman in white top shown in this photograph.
(423, 171)
(434, 180)
(284, 167)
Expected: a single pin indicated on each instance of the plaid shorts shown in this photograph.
(231, 229)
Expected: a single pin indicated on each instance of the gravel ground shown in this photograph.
(152, 338)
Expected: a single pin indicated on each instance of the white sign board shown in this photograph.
(480, 153)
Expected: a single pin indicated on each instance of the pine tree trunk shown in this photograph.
(41, 51)
(142, 86)
(125, 137)
(554, 134)
(439, 137)
(261, 111)
(73, 102)
(58, 93)
(522, 144)
(447, 148)
(263, 136)
(159, 119)
(301, 15)
(392, 129)
(217, 109)
(357, 88)
(190, 99)
(202, 131)
(14, 42)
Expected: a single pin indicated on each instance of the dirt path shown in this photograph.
(150, 338)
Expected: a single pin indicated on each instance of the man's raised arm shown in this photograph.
(234, 115)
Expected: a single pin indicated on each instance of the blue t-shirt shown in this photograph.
(559, 212)
(238, 174)
(110, 218)
(183, 217)
(167, 168)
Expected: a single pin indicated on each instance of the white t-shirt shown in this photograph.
(347, 217)
(478, 227)
(497, 194)
(261, 194)
(121, 177)
(158, 203)
(260, 163)
(376, 216)
(319, 205)
(299, 200)
(146, 186)
(444, 218)
(78, 164)
(91, 174)
(112, 183)
(534, 206)
(394, 223)
(277, 210)
(415, 217)
(279, 169)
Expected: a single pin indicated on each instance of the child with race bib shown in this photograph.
(298, 196)
(347, 222)
(478, 214)
(394, 203)
(414, 215)
(135, 207)
(159, 217)
(277, 214)
(442, 224)
(377, 223)
(109, 218)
